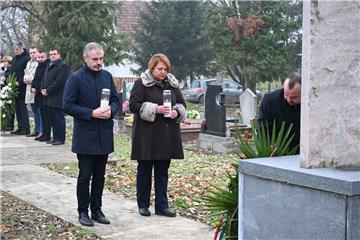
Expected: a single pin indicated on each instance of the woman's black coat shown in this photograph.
(158, 140)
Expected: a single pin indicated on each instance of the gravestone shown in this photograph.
(247, 106)
(214, 136)
(215, 114)
(279, 199)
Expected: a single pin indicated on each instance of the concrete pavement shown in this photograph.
(22, 177)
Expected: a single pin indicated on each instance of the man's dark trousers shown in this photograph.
(22, 115)
(143, 183)
(57, 122)
(90, 167)
(46, 128)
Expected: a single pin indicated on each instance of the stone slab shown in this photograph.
(217, 143)
(280, 200)
(287, 169)
(20, 149)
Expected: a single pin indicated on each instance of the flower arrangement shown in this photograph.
(193, 115)
(7, 99)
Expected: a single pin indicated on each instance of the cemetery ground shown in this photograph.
(20, 220)
(189, 178)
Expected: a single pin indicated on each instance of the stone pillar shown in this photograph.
(330, 109)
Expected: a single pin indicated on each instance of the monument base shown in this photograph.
(217, 143)
(280, 200)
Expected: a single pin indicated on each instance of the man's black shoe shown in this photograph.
(144, 212)
(58, 143)
(33, 134)
(22, 133)
(85, 220)
(50, 141)
(99, 217)
(166, 212)
(9, 129)
(16, 131)
(43, 139)
(38, 138)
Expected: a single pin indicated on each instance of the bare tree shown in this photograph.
(21, 21)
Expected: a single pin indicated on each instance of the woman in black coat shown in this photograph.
(155, 138)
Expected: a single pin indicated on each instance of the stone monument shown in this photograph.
(311, 196)
(331, 85)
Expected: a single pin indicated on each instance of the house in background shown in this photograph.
(127, 18)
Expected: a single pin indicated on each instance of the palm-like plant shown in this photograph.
(266, 144)
(222, 200)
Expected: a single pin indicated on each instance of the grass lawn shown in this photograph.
(188, 181)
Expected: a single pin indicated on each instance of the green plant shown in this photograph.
(222, 200)
(180, 202)
(82, 233)
(266, 144)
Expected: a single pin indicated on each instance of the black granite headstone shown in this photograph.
(215, 114)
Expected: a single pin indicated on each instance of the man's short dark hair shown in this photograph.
(41, 51)
(54, 49)
(18, 45)
(294, 78)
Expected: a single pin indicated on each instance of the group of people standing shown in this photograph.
(40, 82)
(46, 84)
(156, 131)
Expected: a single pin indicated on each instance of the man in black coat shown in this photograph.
(39, 98)
(19, 64)
(284, 105)
(93, 129)
(53, 88)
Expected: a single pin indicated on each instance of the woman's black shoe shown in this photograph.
(144, 212)
(168, 212)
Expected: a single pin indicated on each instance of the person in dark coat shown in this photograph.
(19, 64)
(53, 88)
(36, 84)
(155, 138)
(93, 129)
(284, 105)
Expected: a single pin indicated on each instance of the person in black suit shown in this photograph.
(53, 88)
(18, 66)
(284, 105)
(39, 98)
(93, 129)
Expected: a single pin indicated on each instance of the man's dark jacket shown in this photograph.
(18, 66)
(38, 81)
(82, 95)
(54, 81)
(274, 106)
